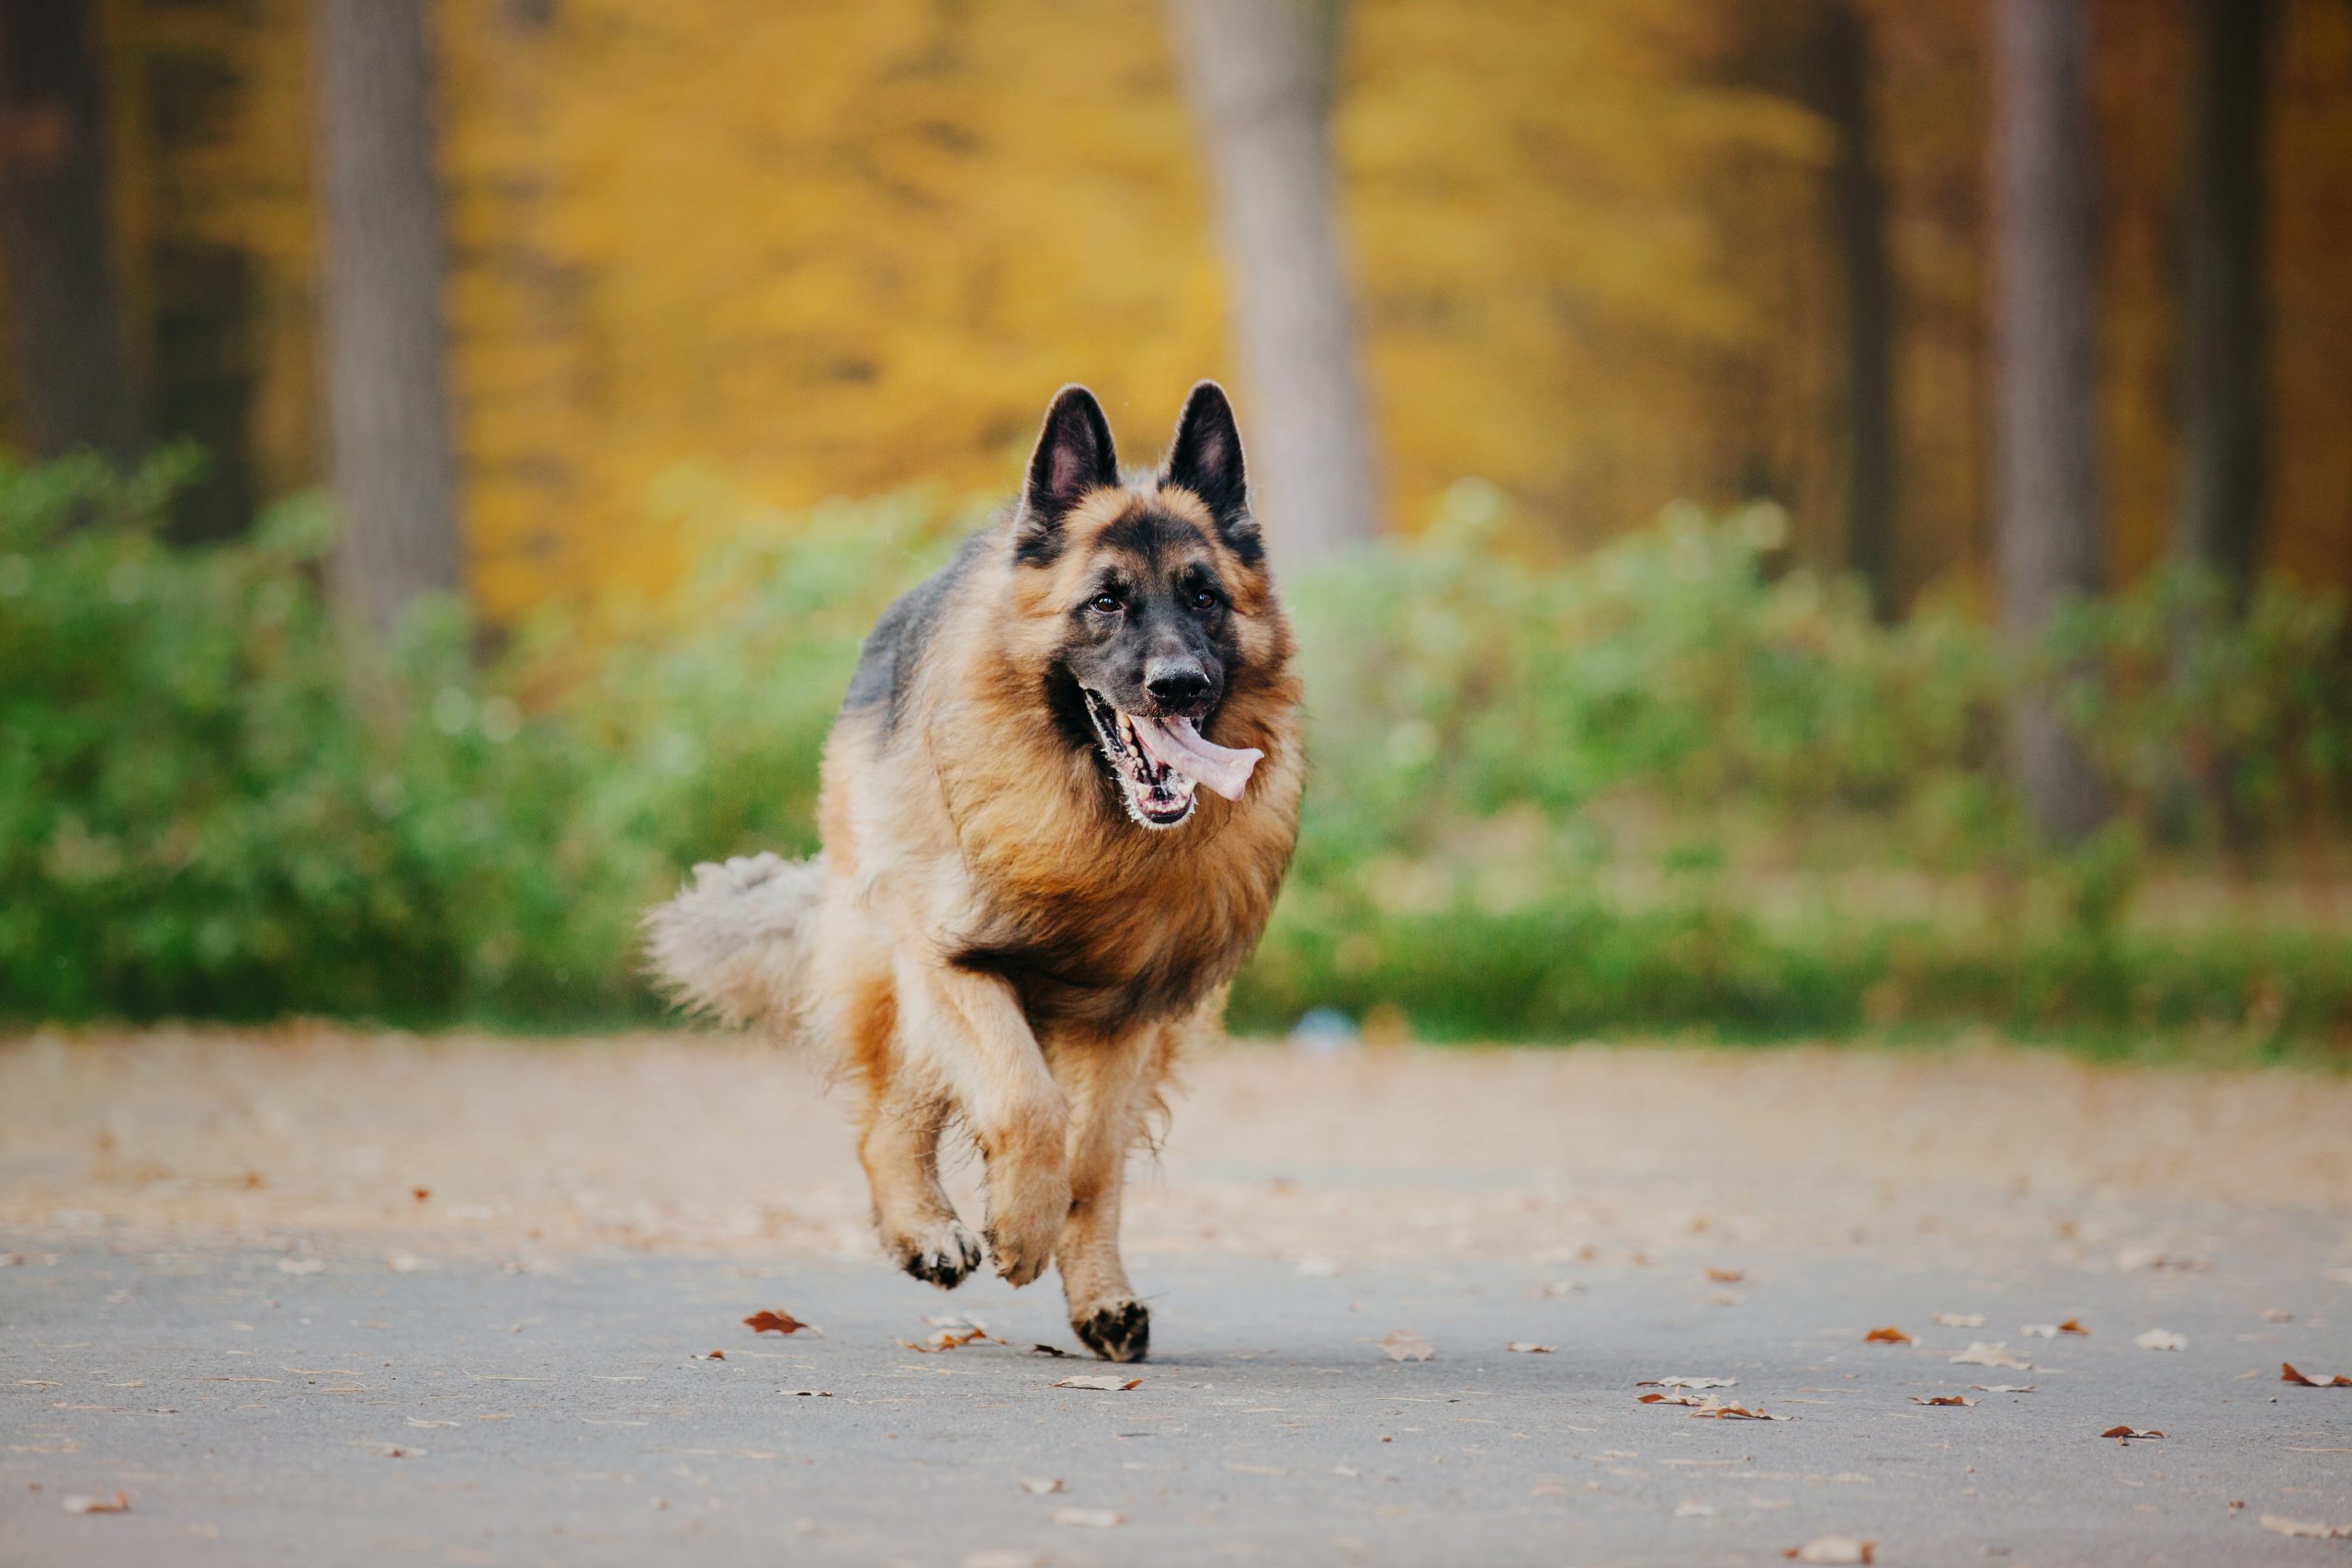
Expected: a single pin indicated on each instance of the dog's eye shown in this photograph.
(1203, 598)
(1105, 603)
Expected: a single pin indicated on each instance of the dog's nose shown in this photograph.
(1175, 686)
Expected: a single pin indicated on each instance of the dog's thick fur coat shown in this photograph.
(1005, 927)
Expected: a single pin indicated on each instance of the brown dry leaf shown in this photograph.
(1714, 1412)
(713, 1356)
(118, 1503)
(950, 1339)
(2161, 1339)
(1996, 1354)
(1888, 1335)
(1960, 1399)
(2305, 1528)
(1726, 1276)
(1530, 1346)
(766, 1322)
(1106, 1385)
(1039, 1486)
(1960, 1320)
(2287, 1373)
(2073, 1326)
(420, 1194)
(2126, 1434)
(1669, 1399)
(1689, 1382)
(1834, 1548)
(1405, 1345)
(1089, 1518)
(2004, 1387)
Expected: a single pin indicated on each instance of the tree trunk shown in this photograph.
(72, 363)
(389, 445)
(1858, 212)
(2219, 525)
(1260, 78)
(2049, 541)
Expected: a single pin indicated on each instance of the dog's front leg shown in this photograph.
(970, 1030)
(1110, 1085)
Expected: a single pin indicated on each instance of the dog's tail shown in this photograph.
(734, 942)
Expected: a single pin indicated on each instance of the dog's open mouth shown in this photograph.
(1159, 762)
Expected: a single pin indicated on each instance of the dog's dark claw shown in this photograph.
(1120, 1332)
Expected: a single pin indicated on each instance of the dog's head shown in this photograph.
(1148, 601)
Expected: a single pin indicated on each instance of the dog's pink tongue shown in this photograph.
(1174, 743)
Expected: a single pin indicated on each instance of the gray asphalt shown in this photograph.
(466, 1413)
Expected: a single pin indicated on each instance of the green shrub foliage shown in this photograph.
(1665, 786)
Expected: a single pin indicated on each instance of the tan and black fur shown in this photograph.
(993, 933)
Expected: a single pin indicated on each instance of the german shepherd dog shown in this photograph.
(1057, 804)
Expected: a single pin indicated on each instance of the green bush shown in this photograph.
(1636, 791)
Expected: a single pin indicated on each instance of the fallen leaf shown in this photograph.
(2149, 1258)
(1726, 1276)
(1889, 1335)
(950, 1339)
(2287, 1373)
(1834, 1548)
(2125, 1434)
(766, 1322)
(1089, 1518)
(2276, 1526)
(1997, 1354)
(1689, 1382)
(1695, 1510)
(1107, 1385)
(1047, 1350)
(1041, 1485)
(1404, 1345)
(2004, 1387)
(422, 1193)
(1669, 1399)
(1530, 1346)
(1960, 1320)
(2161, 1339)
(1960, 1399)
(2073, 1326)
(1713, 1412)
(118, 1503)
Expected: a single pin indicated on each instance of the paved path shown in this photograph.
(462, 1413)
(317, 1299)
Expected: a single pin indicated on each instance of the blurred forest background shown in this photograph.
(1819, 516)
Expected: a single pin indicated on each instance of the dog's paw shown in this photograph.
(942, 1255)
(1116, 1331)
(1021, 1237)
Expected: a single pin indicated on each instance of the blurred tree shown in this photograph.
(1858, 217)
(2222, 325)
(72, 365)
(2049, 543)
(1261, 73)
(388, 441)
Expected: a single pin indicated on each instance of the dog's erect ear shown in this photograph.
(1073, 456)
(1206, 460)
